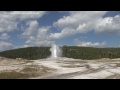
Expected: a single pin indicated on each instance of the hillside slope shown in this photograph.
(75, 52)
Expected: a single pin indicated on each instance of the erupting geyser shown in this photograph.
(55, 51)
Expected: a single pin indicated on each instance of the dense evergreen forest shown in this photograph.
(75, 52)
(27, 53)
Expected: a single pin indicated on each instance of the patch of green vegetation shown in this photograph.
(89, 53)
(36, 70)
(13, 75)
(29, 69)
(118, 64)
(29, 53)
(27, 72)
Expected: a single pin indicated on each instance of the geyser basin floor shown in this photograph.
(66, 68)
(82, 69)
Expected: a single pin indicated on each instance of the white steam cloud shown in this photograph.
(55, 51)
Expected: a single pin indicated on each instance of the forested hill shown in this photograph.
(27, 53)
(68, 51)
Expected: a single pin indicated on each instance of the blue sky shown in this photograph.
(44, 28)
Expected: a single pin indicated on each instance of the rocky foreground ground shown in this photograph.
(59, 68)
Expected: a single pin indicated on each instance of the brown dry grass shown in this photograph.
(74, 62)
(6, 62)
(117, 64)
(72, 66)
(13, 75)
(27, 72)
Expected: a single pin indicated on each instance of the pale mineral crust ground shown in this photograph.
(60, 68)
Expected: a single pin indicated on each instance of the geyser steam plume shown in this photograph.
(55, 51)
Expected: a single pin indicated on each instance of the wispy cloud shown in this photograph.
(5, 46)
(89, 44)
(4, 36)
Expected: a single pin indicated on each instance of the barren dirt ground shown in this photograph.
(80, 69)
(63, 68)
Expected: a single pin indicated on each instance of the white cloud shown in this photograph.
(7, 25)
(85, 21)
(77, 18)
(77, 22)
(64, 33)
(42, 38)
(31, 29)
(34, 41)
(43, 32)
(108, 25)
(4, 36)
(5, 46)
(24, 15)
(9, 20)
(89, 44)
